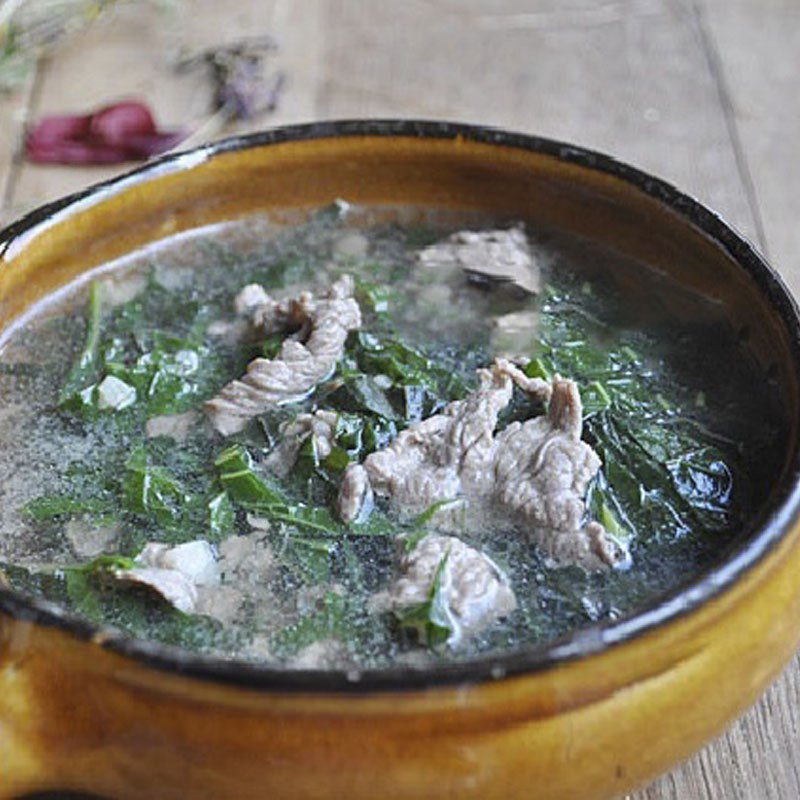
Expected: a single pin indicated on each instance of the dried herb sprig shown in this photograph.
(245, 84)
(29, 29)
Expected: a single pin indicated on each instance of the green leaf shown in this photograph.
(378, 434)
(235, 469)
(402, 363)
(48, 507)
(595, 398)
(337, 460)
(165, 377)
(221, 517)
(377, 297)
(349, 433)
(308, 461)
(76, 393)
(271, 346)
(535, 368)
(251, 491)
(318, 520)
(415, 402)
(152, 491)
(368, 396)
(103, 564)
(309, 557)
(83, 595)
(309, 464)
(660, 472)
(82, 584)
(430, 620)
(608, 519)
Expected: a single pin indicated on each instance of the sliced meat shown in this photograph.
(123, 287)
(223, 603)
(542, 472)
(322, 654)
(247, 560)
(321, 425)
(247, 567)
(494, 256)
(475, 590)
(537, 472)
(174, 572)
(448, 455)
(250, 298)
(175, 426)
(355, 496)
(316, 333)
(90, 539)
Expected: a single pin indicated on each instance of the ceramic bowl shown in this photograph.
(590, 716)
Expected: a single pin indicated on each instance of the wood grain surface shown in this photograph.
(701, 92)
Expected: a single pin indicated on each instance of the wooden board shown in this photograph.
(13, 116)
(110, 62)
(759, 54)
(628, 78)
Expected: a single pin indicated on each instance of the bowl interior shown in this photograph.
(454, 168)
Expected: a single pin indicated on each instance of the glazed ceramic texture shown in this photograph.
(589, 717)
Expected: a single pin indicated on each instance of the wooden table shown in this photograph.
(701, 92)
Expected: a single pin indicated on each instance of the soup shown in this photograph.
(366, 438)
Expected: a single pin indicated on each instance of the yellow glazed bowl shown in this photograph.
(591, 716)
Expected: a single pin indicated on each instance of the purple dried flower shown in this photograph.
(244, 86)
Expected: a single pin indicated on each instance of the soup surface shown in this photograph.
(295, 523)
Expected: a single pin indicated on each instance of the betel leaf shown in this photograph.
(317, 520)
(378, 434)
(415, 402)
(93, 593)
(271, 345)
(138, 363)
(349, 433)
(404, 364)
(103, 564)
(54, 506)
(367, 395)
(337, 460)
(605, 509)
(78, 386)
(535, 368)
(151, 491)
(167, 376)
(310, 464)
(431, 621)
(309, 556)
(660, 472)
(83, 595)
(375, 296)
(235, 470)
(82, 584)
(253, 492)
(221, 517)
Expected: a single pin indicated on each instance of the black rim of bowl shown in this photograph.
(765, 530)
